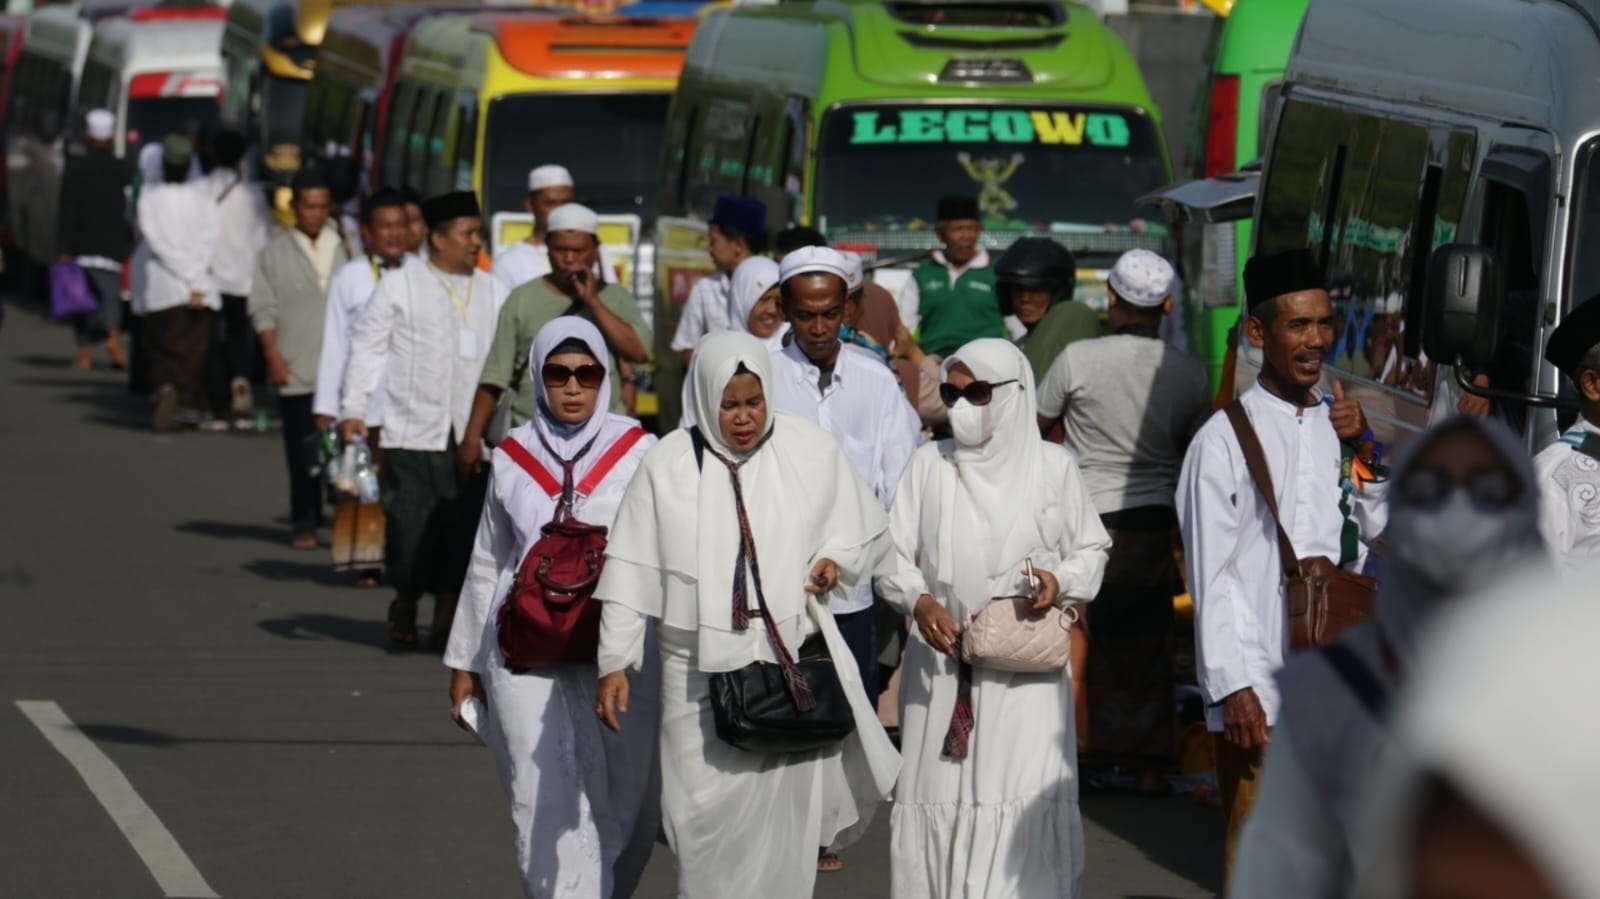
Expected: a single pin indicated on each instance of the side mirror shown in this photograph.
(1465, 292)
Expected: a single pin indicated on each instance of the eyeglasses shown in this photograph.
(588, 376)
(1489, 489)
(978, 393)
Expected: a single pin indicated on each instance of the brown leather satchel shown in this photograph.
(1323, 599)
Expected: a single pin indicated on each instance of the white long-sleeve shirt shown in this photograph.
(179, 225)
(866, 412)
(1231, 545)
(245, 227)
(352, 286)
(521, 262)
(706, 312)
(419, 346)
(1569, 496)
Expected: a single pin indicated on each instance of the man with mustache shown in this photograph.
(1317, 449)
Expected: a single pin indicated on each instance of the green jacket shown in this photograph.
(953, 314)
(1063, 323)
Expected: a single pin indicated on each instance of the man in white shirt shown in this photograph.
(246, 228)
(418, 348)
(852, 395)
(178, 221)
(288, 304)
(1568, 471)
(737, 231)
(549, 188)
(1234, 572)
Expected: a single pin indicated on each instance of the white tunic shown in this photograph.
(521, 262)
(1569, 497)
(352, 286)
(1231, 547)
(708, 311)
(419, 347)
(584, 800)
(179, 225)
(1004, 822)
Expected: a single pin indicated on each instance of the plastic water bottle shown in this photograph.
(366, 474)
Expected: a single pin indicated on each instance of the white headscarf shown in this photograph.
(1500, 708)
(753, 278)
(673, 549)
(999, 468)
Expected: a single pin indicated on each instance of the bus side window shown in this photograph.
(1584, 248)
(749, 155)
(797, 134)
(1507, 229)
(399, 134)
(684, 148)
(439, 172)
(466, 161)
(415, 171)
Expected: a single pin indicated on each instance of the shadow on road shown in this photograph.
(1187, 843)
(229, 530)
(141, 736)
(108, 402)
(316, 626)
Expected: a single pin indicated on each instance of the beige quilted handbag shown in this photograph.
(1005, 636)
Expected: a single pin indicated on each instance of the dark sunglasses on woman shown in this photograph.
(588, 376)
(978, 393)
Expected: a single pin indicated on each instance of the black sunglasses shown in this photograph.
(1489, 489)
(978, 393)
(589, 375)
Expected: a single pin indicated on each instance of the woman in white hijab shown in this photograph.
(1464, 507)
(583, 799)
(771, 508)
(987, 804)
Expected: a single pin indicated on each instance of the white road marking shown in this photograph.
(172, 869)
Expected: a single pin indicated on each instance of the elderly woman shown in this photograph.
(987, 803)
(1464, 506)
(732, 537)
(583, 799)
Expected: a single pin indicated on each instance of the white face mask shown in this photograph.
(1453, 546)
(971, 425)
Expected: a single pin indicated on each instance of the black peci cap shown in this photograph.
(956, 208)
(1269, 277)
(448, 207)
(1578, 332)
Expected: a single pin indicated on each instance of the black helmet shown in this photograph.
(1035, 263)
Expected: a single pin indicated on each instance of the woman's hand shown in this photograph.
(824, 577)
(1044, 595)
(612, 699)
(937, 627)
(463, 685)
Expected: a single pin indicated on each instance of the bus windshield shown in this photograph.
(1034, 166)
(610, 143)
(150, 119)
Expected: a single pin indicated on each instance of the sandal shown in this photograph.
(829, 861)
(402, 627)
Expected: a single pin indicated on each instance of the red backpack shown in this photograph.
(549, 618)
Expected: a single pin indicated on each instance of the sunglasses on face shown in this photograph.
(588, 376)
(1489, 489)
(978, 393)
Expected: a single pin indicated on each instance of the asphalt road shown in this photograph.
(234, 704)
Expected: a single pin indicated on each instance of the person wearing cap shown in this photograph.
(1035, 279)
(1568, 471)
(737, 231)
(1310, 440)
(417, 350)
(179, 225)
(549, 188)
(288, 306)
(949, 299)
(570, 288)
(94, 233)
(247, 226)
(1129, 403)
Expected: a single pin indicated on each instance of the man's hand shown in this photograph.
(469, 458)
(1244, 722)
(463, 685)
(350, 428)
(197, 299)
(1044, 596)
(824, 577)
(588, 290)
(1349, 422)
(937, 627)
(1472, 404)
(612, 699)
(323, 421)
(277, 369)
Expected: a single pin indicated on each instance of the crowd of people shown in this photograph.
(977, 481)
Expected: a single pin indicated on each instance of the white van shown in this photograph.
(159, 70)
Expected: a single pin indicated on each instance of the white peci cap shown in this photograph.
(855, 273)
(574, 217)
(100, 124)
(549, 176)
(813, 260)
(1142, 278)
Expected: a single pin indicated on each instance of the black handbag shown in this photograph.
(783, 707)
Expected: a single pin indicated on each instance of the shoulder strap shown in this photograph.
(1358, 676)
(1590, 446)
(609, 460)
(699, 441)
(519, 454)
(229, 189)
(1255, 460)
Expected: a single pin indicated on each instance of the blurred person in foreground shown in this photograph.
(1490, 791)
(1463, 509)
(94, 232)
(1569, 469)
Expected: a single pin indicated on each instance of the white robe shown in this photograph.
(584, 800)
(1569, 497)
(1004, 822)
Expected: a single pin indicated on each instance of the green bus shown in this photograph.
(1248, 54)
(854, 117)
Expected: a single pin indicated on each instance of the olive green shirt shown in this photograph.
(529, 308)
